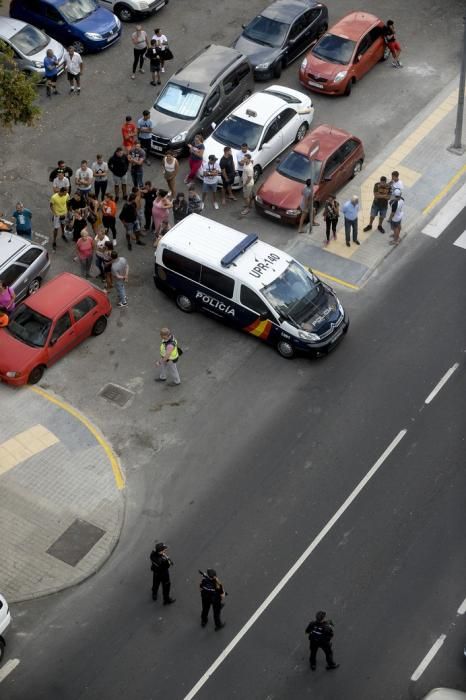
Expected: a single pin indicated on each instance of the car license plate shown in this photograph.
(156, 148)
(110, 38)
(272, 213)
(314, 84)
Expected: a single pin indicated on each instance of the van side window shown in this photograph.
(243, 70)
(230, 83)
(212, 101)
(184, 266)
(253, 301)
(217, 282)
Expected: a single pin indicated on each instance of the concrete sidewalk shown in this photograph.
(61, 495)
(429, 172)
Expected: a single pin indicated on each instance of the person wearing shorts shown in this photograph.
(379, 204)
(74, 68)
(210, 179)
(248, 183)
(392, 44)
(51, 72)
(59, 209)
(118, 165)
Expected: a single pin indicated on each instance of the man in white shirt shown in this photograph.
(211, 170)
(396, 183)
(74, 68)
(396, 215)
(162, 42)
(100, 174)
(61, 181)
(248, 182)
(83, 179)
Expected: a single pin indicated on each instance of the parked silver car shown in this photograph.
(23, 265)
(29, 46)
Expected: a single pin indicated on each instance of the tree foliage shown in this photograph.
(18, 92)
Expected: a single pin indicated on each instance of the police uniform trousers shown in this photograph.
(163, 580)
(326, 648)
(216, 603)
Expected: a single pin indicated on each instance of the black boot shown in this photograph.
(128, 241)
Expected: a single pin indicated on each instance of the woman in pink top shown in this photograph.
(85, 251)
(160, 209)
(7, 298)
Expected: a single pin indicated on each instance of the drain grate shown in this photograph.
(116, 394)
(76, 542)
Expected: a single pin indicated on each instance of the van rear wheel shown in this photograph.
(285, 349)
(184, 303)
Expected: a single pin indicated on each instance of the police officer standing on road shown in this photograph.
(212, 594)
(169, 355)
(160, 572)
(320, 633)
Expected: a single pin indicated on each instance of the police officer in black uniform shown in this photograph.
(212, 594)
(160, 572)
(320, 633)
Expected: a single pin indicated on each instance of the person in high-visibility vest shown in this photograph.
(169, 354)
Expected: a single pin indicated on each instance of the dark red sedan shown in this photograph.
(339, 158)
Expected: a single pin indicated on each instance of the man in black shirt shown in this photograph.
(212, 594)
(228, 171)
(118, 165)
(320, 633)
(61, 168)
(160, 565)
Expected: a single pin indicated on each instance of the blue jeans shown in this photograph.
(120, 289)
(24, 233)
(351, 224)
(137, 176)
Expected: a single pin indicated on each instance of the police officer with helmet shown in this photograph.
(320, 633)
(160, 565)
(212, 594)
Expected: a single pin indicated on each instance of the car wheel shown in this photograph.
(36, 374)
(78, 46)
(124, 13)
(34, 286)
(348, 88)
(301, 133)
(257, 172)
(285, 349)
(184, 303)
(357, 167)
(277, 69)
(99, 326)
(2, 648)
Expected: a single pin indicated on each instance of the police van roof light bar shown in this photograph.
(239, 249)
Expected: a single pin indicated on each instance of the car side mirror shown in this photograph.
(53, 341)
(358, 58)
(213, 125)
(327, 178)
(243, 26)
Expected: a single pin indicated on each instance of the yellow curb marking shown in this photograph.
(112, 458)
(334, 279)
(25, 445)
(444, 191)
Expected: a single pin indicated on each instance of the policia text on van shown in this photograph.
(250, 285)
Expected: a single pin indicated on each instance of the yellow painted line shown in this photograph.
(444, 191)
(335, 279)
(112, 458)
(25, 445)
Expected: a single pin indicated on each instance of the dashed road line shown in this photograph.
(462, 609)
(461, 241)
(296, 566)
(7, 668)
(428, 657)
(442, 383)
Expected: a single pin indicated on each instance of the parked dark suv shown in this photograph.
(200, 93)
(281, 33)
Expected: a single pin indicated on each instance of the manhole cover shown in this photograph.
(116, 394)
(76, 542)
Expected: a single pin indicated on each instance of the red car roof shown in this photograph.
(59, 294)
(329, 138)
(354, 25)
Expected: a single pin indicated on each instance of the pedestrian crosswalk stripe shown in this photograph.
(446, 215)
(461, 241)
(25, 445)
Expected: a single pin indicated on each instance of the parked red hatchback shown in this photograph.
(344, 54)
(339, 158)
(48, 324)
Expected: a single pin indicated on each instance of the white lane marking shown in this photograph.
(462, 609)
(461, 241)
(446, 214)
(442, 382)
(428, 657)
(7, 668)
(307, 552)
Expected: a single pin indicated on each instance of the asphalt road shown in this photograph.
(257, 478)
(248, 462)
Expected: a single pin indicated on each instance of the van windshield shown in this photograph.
(180, 101)
(293, 293)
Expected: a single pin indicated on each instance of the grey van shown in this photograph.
(23, 265)
(203, 91)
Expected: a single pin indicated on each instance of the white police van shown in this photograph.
(248, 284)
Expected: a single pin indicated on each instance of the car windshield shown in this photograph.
(29, 40)
(297, 167)
(266, 31)
(234, 131)
(294, 294)
(180, 101)
(335, 49)
(29, 326)
(76, 10)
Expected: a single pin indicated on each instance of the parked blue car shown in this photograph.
(79, 23)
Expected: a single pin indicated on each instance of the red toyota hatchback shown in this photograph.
(48, 324)
(339, 158)
(344, 54)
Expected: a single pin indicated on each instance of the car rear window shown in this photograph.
(29, 256)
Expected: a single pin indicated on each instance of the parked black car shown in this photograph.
(281, 33)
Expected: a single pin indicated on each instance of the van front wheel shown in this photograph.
(184, 303)
(285, 349)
